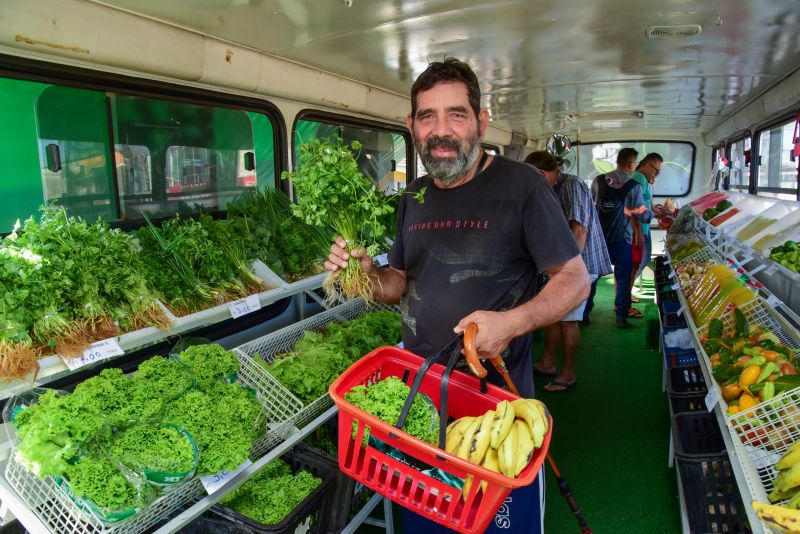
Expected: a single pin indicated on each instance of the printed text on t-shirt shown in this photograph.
(458, 224)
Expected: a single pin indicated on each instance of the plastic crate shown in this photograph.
(307, 512)
(710, 490)
(670, 306)
(689, 403)
(686, 381)
(666, 296)
(676, 357)
(672, 321)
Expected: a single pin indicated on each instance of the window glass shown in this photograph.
(777, 169)
(178, 157)
(739, 163)
(592, 159)
(382, 158)
(74, 153)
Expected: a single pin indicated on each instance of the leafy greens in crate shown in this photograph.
(318, 358)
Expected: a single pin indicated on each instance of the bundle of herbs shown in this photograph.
(271, 233)
(332, 193)
(196, 263)
(67, 283)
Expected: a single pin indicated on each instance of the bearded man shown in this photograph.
(471, 251)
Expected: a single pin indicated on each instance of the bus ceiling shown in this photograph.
(664, 68)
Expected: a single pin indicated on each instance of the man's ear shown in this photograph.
(410, 123)
(483, 121)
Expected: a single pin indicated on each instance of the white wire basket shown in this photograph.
(704, 254)
(65, 515)
(271, 346)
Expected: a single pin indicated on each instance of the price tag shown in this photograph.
(746, 259)
(676, 286)
(214, 482)
(381, 260)
(774, 268)
(98, 351)
(708, 232)
(680, 311)
(672, 274)
(774, 301)
(667, 261)
(244, 306)
(712, 397)
(758, 269)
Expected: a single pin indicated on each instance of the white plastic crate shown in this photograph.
(273, 345)
(61, 514)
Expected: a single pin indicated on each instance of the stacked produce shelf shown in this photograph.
(756, 439)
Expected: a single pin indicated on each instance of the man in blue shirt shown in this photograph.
(646, 172)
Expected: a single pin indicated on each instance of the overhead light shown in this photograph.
(673, 32)
(602, 116)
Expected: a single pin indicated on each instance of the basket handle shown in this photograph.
(471, 354)
(455, 348)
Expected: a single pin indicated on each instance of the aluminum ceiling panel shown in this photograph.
(537, 61)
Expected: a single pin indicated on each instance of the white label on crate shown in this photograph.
(757, 269)
(676, 286)
(672, 274)
(244, 306)
(774, 301)
(774, 268)
(712, 397)
(667, 261)
(680, 311)
(98, 351)
(708, 232)
(762, 459)
(381, 260)
(214, 482)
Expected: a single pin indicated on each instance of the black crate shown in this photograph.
(689, 403)
(710, 491)
(666, 296)
(686, 381)
(677, 357)
(673, 321)
(301, 457)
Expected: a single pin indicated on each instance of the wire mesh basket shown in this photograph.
(61, 514)
(704, 254)
(271, 346)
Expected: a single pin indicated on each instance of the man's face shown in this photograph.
(446, 132)
(651, 169)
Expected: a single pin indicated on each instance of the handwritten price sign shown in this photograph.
(214, 482)
(98, 351)
(244, 306)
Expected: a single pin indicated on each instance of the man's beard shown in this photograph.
(447, 170)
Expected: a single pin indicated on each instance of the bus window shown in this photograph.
(383, 155)
(777, 169)
(74, 152)
(675, 179)
(191, 157)
(739, 162)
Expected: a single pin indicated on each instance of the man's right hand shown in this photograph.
(339, 255)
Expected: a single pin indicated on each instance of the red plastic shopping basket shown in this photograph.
(405, 484)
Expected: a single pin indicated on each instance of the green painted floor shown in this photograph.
(611, 431)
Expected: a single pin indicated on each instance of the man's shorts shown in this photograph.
(577, 313)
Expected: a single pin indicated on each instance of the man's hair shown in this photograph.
(626, 155)
(448, 71)
(542, 160)
(652, 156)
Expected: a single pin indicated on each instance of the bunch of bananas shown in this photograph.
(786, 487)
(502, 439)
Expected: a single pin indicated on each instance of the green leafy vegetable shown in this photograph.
(101, 481)
(332, 192)
(169, 377)
(272, 494)
(385, 401)
(157, 448)
(209, 363)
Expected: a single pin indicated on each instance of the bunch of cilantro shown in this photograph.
(332, 193)
(67, 283)
(385, 400)
(318, 358)
(272, 494)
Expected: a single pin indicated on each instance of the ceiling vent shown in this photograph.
(673, 33)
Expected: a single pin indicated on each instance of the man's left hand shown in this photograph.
(495, 331)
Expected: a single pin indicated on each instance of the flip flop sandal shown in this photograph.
(563, 386)
(633, 312)
(538, 371)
